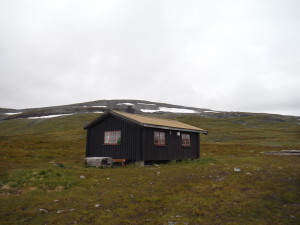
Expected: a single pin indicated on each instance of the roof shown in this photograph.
(147, 121)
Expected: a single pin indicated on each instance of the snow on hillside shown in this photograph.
(12, 113)
(166, 109)
(145, 104)
(211, 111)
(126, 103)
(49, 116)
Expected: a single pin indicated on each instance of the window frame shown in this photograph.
(160, 139)
(114, 134)
(184, 139)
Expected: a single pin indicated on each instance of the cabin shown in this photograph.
(133, 137)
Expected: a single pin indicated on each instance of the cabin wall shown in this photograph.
(173, 150)
(130, 147)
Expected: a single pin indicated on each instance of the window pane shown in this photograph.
(159, 138)
(112, 137)
(186, 139)
(162, 138)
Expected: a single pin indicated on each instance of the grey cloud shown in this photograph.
(225, 55)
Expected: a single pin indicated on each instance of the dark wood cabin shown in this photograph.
(136, 137)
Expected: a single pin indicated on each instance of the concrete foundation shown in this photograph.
(99, 161)
(140, 163)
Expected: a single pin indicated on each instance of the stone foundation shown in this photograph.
(140, 163)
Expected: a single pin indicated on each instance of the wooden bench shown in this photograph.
(123, 161)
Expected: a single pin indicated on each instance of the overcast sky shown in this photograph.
(224, 55)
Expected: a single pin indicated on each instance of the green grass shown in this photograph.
(42, 161)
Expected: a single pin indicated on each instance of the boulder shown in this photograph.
(99, 161)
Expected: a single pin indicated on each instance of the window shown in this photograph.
(159, 138)
(186, 140)
(112, 137)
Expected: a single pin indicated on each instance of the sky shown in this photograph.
(222, 55)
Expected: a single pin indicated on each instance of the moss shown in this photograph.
(42, 160)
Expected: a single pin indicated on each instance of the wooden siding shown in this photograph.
(173, 150)
(130, 140)
(137, 142)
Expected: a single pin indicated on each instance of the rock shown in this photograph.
(220, 179)
(97, 205)
(99, 161)
(237, 170)
(56, 200)
(43, 210)
(248, 173)
(284, 153)
(82, 177)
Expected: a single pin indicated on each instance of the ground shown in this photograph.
(44, 179)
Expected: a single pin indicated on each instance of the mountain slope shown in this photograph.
(140, 107)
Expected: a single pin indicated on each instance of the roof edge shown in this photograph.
(91, 123)
(176, 128)
(115, 113)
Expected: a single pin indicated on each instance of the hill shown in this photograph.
(140, 106)
(42, 156)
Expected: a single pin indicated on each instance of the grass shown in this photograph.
(42, 161)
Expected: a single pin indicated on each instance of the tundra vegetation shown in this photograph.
(44, 179)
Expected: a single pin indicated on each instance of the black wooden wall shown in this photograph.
(130, 140)
(137, 142)
(173, 150)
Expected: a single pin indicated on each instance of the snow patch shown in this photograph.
(149, 110)
(12, 113)
(49, 116)
(145, 104)
(166, 109)
(211, 111)
(125, 103)
(98, 106)
(98, 112)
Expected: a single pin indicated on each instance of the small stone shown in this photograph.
(108, 178)
(220, 179)
(97, 205)
(71, 210)
(59, 211)
(43, 210)
(158, 173)
(131, 196)
(82, 177)
(248, 173)
(237, 170)
(56, 200)
(292, 217)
